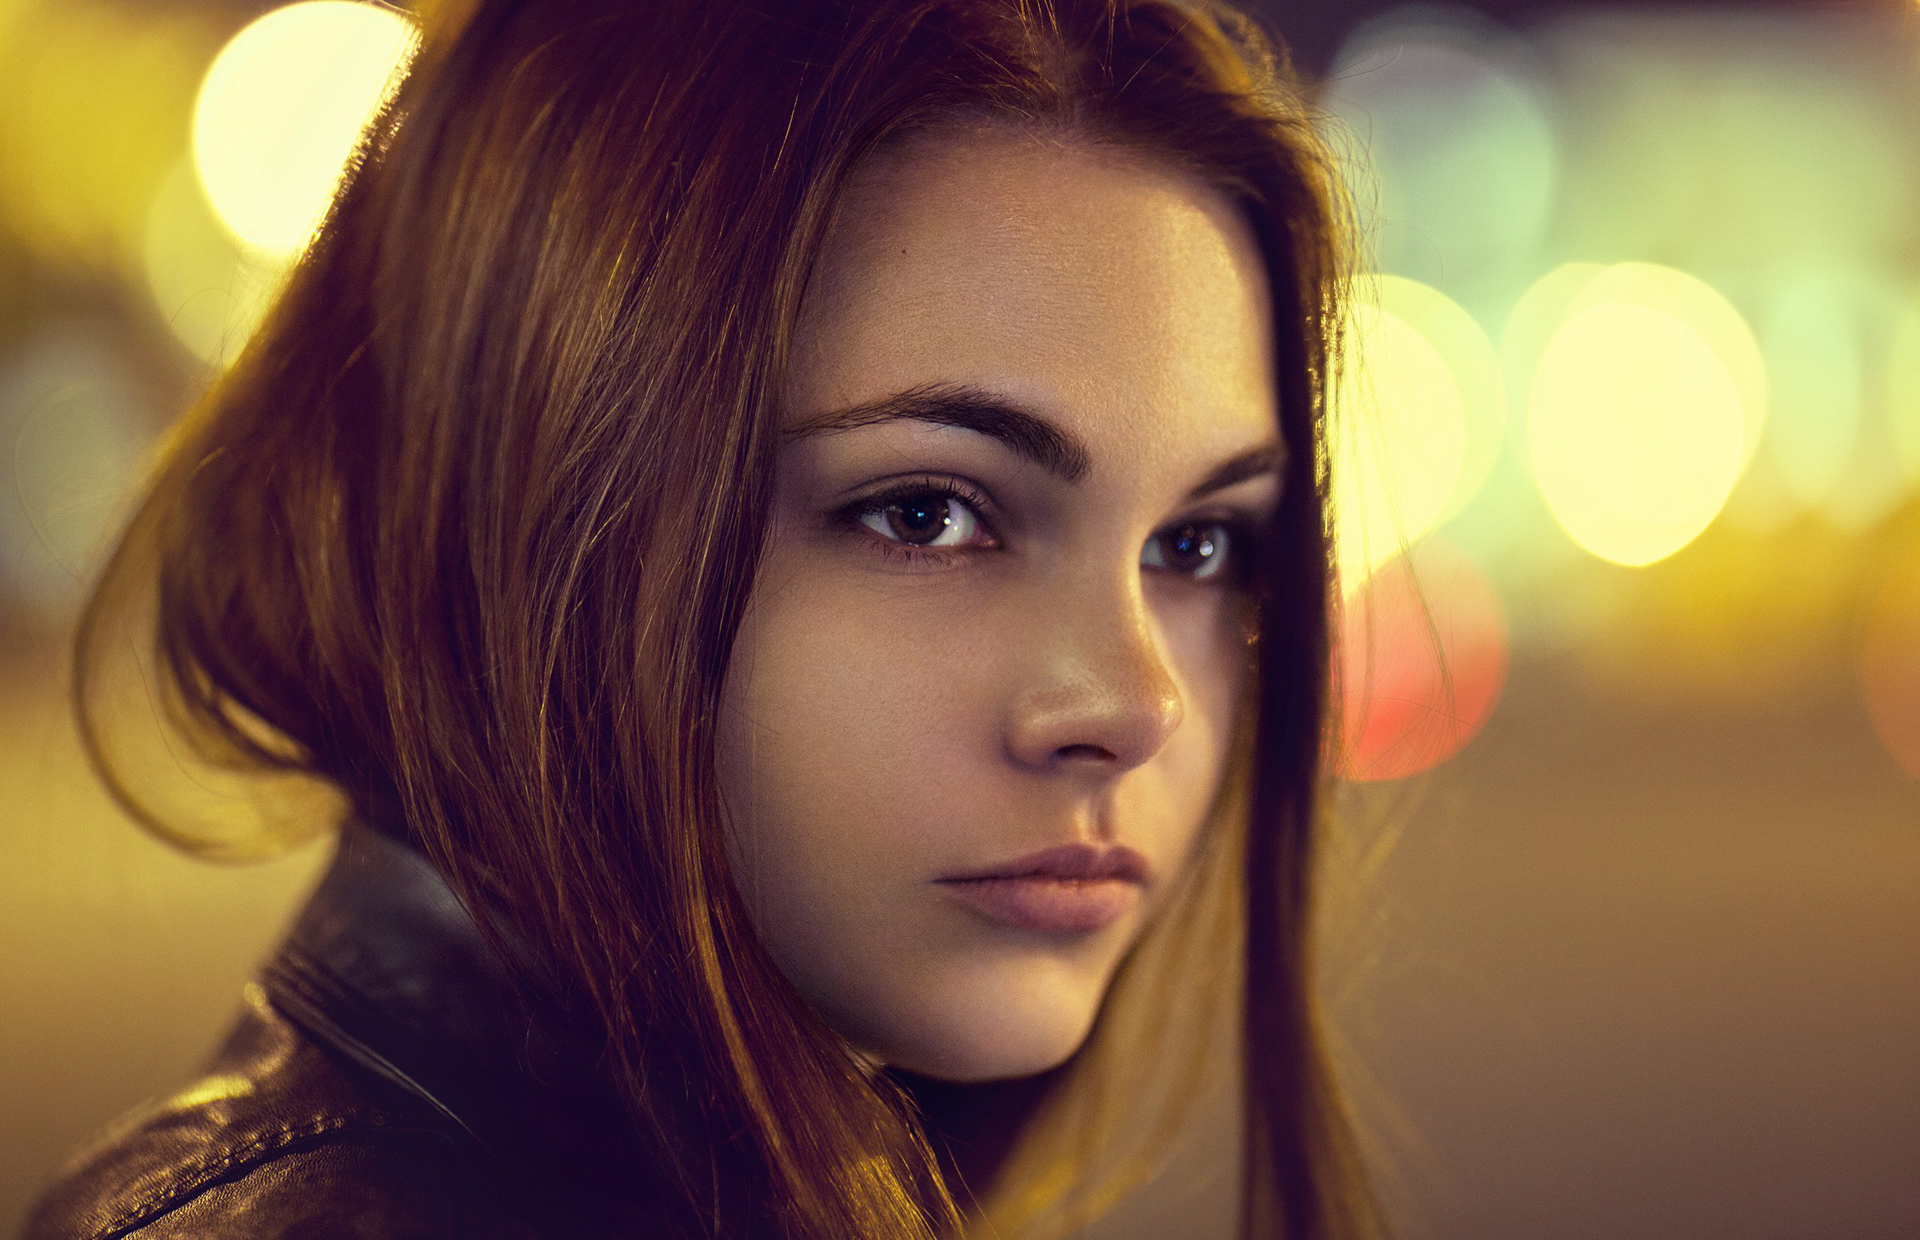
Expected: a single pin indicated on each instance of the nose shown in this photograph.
(1105, 699)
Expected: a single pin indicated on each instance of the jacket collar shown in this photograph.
(385, 966)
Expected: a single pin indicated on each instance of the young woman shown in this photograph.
(799, 531)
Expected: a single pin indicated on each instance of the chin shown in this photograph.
(1025, 1024)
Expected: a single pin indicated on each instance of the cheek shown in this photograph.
(844, 745)
(836, 715)
(861, 757)
(859, 725)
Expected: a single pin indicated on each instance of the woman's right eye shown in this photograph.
(923, 519)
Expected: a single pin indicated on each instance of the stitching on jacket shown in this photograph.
(193, 1178)
(303, 990)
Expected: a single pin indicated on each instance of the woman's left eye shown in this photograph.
(922, 519)
(1198, 549)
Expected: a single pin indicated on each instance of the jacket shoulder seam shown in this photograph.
(194, 1178)
(296, 989)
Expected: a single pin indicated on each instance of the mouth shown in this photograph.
(1074, 889)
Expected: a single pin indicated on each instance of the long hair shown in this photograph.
(467, 532)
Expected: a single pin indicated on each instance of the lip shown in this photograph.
(1069, 889)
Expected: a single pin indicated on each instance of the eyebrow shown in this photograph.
(1021, 431)
(1268, 458)
(969, 408)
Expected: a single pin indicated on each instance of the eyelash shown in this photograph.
(1240, 536)
(917, 488)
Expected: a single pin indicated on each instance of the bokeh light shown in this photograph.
(1422, 661)
(1708, 313)
(1902, 388)
(1831, 437)
(70, 444)
(211, 291)
(282, 109)
(1726, 141)
(1455, 166)
(1817, 375)
(1890, 661)
(1663, 212)
(1398, 436)
(94, 100)
(1532, 323)
(1470, 356)
(1634, 431)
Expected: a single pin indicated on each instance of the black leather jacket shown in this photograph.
(385, 1079)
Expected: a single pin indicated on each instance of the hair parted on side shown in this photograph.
(468, 530)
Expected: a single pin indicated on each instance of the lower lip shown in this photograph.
(1048, 905)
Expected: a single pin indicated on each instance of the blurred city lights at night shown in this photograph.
(1473, 362)
(70, 443)
(1533, 321)
(1707, 312)
(1890, 661)
(1902, 389)
(282, 109)
(1721, 141)
(1629, 271)
(1623, 453)
(1398, 437)
(211, 291)
(93, 97)
(1833, 439)
(1634, 431)
(1449, 146)
(1422, 660)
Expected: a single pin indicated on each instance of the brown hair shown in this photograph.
(467, 532)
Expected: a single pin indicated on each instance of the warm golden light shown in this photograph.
(209, 290)
(1422, 661)
(70, 418)
(1903, 390)
(1635, 431)
(1814, 357)
(1890, 661)
(1535, 318)
(282, 109)
(94, 98)
(1463, 344)
(1572, 287)
(1700, 306)
(1449, 145)
(1398, 436)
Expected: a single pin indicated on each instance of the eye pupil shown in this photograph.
(1192, 546)
(921, 519)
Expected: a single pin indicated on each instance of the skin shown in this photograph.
(1055, 667)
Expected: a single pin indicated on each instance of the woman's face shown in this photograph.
(984, 694)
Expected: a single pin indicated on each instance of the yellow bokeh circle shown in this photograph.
(1471, 358)
(1702, 307)
(1397, 435)
(283, 107)
(211, 292)
(1636, 431)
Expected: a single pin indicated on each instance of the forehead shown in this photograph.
(1111, 292)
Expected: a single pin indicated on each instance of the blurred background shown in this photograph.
(1625, 930)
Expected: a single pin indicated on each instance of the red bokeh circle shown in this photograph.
(1419, 663)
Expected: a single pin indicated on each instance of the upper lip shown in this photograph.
(1066, 862)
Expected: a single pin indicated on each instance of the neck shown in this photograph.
(974, 1127)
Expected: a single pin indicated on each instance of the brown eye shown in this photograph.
(927, 519)
(1198, 549)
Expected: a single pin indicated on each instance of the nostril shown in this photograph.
(1084, 751)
